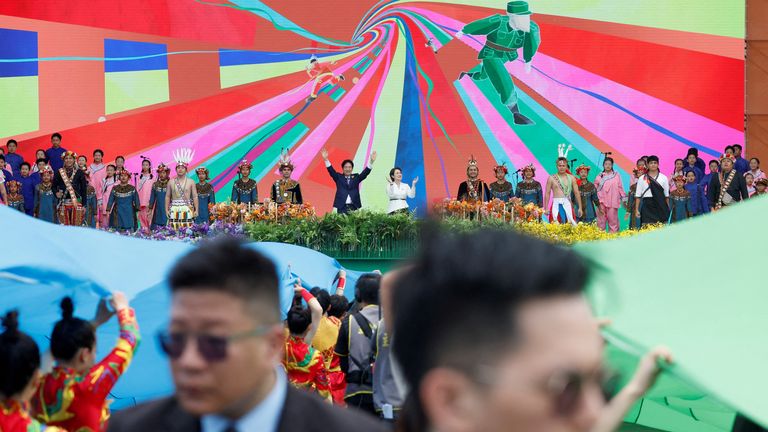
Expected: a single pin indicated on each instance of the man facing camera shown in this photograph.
(224, 342)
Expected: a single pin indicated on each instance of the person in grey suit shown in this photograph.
(225, 342)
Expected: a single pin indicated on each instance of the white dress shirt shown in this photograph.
(642, 186)
(397, 195)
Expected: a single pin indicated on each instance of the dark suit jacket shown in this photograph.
(79, 184)
(737, 189)
(302, 412)
(344, 188)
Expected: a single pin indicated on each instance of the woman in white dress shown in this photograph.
(397, 191)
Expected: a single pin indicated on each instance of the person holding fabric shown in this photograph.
(699, 202)
(181, 194)
(326, 337)
(473, 189)
(505, 34)
(205, 195)
(123, 204)
(397, 191)
(45, 198)
(224, 342)
(303, 363)
(74, 394)
(110, 181)
(28, 182)
(589, 198)
(144, 189)
(55, 154)
(501, 189)
(19, 375)
(157, 198)
(70, 186)
(610, 194)
(652, 195)
(728, 187)
(244, 189)
(530, 190)
(285, 189)
(679, 201)
(561, 187)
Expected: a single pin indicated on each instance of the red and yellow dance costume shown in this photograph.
(14, 417)
(325, 342)
(322, 75)
(78, 403)
(305, 368)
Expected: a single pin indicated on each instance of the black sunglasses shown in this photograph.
(211, 348)
(567, 388)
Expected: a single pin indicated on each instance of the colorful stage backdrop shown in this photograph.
(228, 78)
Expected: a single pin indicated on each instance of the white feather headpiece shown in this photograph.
(562, 150)
(183, 156)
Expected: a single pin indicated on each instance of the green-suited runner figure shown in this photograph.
(505, 34)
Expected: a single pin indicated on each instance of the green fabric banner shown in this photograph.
(695, 287)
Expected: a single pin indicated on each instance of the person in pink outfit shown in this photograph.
(106, 189)
(610, 193)
(145, 191)
(98, 174)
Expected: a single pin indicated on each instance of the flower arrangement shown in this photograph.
(512, 211)
(192, 234)
(229, 212)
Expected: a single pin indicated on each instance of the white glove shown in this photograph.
(459, 34)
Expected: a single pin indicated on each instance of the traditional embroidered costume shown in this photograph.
(501, 189)
(680, 202)
(181, 213)
(15, 198)
(286, 190)
(244, 190)
(305, 368)
(157, 199)
(530, 191)
(14, 417)
(91, 207)
(78, 402)
(72, 184)
(589, 199)
(205, 197)
(473, 190)
(123, 205)
(610, 194)
(45, 198)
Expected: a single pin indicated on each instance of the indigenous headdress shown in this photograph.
(69, 153)
(183, 156)
(10, 183)
(583, 167)
(244, 163)
(762, 181)
(530, 167)
(162, 167)
(502, 167)
(46, 169)
(563, 150)
(203, 169)
(639, 171)
(123, 171)
(730, 157)
(472, 161)
(285, 160)
(678, 178)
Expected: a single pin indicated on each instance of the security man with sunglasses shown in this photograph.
(224, 343)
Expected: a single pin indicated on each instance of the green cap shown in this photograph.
(518, 8)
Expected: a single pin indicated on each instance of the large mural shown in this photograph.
(427, 85)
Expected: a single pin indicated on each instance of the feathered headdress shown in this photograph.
(183, 156)
(562, 150)
(472, 161)
(502, 167)
(285, 160)
(583, 167)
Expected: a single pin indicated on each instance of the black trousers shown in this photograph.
(363, 402)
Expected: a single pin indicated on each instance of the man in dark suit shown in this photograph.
(347, 197)
(735, 185)
(225, 342)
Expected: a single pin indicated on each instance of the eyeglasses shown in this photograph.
(211, 348)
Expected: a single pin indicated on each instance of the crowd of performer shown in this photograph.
(62, 187)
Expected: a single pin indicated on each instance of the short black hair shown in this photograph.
(679, 160)
(120, 157)
(347, 161)
(714, 161)
(481, 299)
(728, 147)
(56, 135)
(41, 160)
(2, 157)
(98, 151)
(298, 320)
(323, 297)
(19, 357)
(227, 265)
(339, 306)
(25, 163)
(693, 151)
(392, 172)
(12, 141)
(71, 333)
(737, 146)
(652, 158)
(367, 288)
